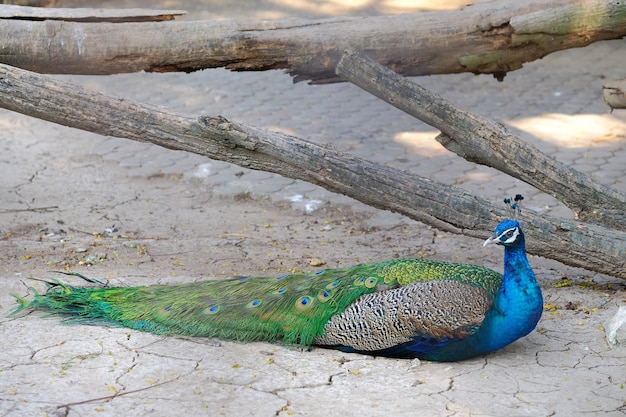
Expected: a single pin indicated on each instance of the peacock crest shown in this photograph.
(515, 205)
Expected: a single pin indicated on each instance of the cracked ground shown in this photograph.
(66, 212)
(134, 214)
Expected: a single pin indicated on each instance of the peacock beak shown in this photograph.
(492, 239)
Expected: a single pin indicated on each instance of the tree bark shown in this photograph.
(442, 206)
(492, 37)
(480, 140)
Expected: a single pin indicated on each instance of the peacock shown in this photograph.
(404, 308)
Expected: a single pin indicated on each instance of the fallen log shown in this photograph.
(445, 207)
(492, 37)
(483, 141)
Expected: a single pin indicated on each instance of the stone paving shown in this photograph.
(183, 217)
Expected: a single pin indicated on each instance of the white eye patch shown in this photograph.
(509, 235)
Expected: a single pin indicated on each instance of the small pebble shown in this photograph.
(316, 262)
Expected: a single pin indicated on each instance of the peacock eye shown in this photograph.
(509, 236)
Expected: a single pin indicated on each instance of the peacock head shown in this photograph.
(508, 233)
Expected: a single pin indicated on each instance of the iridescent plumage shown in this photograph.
(402, 308)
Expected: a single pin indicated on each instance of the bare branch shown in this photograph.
(445, 207)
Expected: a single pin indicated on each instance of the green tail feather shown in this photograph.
(293, 308)
(24, 304)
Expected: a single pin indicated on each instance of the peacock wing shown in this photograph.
(418, 316)
(406, 271)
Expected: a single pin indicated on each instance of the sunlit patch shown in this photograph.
(573, 131)
(479, 176)
(347, 7)
(421, 143)
(281, 129)
(284, 9)
(410, 6)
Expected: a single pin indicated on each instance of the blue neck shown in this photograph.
(515, 312)
(518, 304)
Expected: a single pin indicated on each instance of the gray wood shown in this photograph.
(483, 141)
(440, 205)
(491, 37)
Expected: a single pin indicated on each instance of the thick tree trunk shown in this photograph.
(480, 140)
(445, 207)
(492, 37)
